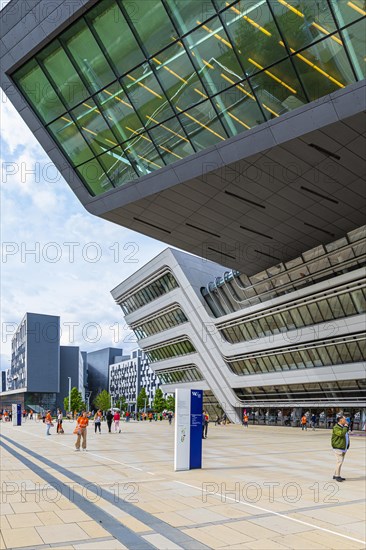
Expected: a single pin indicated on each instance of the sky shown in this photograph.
(42, 274)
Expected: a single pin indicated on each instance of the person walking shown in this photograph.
(245, 420)
(313, 422)
(109, 420)
(170, 417)
(205, 420)
(116, 418)
(98, 421)
(59, 428)
(304, 422)
(48, 422)
(340, 444)
(80, 431)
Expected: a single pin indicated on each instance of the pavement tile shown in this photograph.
(175, 520)
(296, 541)
(133, 523)
(203, 536)
(265, 544)
(17, 521)
(26, 507)
(26, 536)
(201, 515)
(72, 516)
(59, 533)
(4, 523)
(6, 509)
(49, 518)
(112, 544)
(93, 529)
(161, 542)
(329, 541)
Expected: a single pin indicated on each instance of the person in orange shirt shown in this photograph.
(48, 422)
(245, 420)
(80, 430)
(304, 421)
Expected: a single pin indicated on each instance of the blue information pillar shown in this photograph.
(188, 429)
(16, 410)
(195, 452)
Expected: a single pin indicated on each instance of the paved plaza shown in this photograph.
(260, 488)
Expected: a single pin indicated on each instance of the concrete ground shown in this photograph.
(260, 488)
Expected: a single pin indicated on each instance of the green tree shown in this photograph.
(121, 403)
(170, 403)
(142, 399)
(159, 402)
(103, 400)
(77, 403)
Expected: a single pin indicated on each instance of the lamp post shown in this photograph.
(69, 377)
(145, 399)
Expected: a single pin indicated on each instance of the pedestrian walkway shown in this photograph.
(260, 488)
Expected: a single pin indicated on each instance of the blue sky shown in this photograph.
(40, 214)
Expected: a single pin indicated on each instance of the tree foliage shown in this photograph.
(159, 402)
(142, 399)
(77, 403)
(103, 401)
(170, 403)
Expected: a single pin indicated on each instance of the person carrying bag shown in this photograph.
(80, 431)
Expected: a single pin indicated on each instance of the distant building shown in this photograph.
(98, 368)
(3, 380)
(129, 375)
(40, 367)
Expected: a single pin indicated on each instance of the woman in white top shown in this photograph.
(59, 422)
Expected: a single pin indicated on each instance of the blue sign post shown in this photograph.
(17, 414)
(195, 452)
(188, 429)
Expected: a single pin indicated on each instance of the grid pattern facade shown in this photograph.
(235, 291)
(150, 292)
(162, 322)
(169, 350)
(342, 390)
(178, 375)
(131, 87)
(320, 354)
(336, 305)
(126, 378)
(17, 378)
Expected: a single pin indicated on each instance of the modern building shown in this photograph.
(98, 363)
(40, 367)
(232, 130)
(3, 380)
(288, 340)
(129, 375)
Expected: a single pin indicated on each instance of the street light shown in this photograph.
(69, 377)
(145, 399)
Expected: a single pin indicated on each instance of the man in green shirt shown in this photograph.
(340, 444)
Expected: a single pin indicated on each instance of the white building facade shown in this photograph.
(286, 341)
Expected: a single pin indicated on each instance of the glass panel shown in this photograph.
(94, 177)
(173, 145)
(62, 72)
(186, 13)
(347, 304)
(117, 166)
(325, 309)
(315, 312)
(277, 88)
(93, 127)
(146, 96)
(251, 24)
(88, 56)
(355, 350)
(202, 126)
(296, 317)
(323, 354)
(355, 39)
(142, 150)
(346, 11)
(336, 307)
(37, 89)
(304, 312)
(334, 355)
(67, 135)
(116, 35)
(152, 24)
(345, 356)
(178, 77)
(324, 68)
(359, 300)
(303, 22)
(119, 112)
(213, 56)
(238, 108)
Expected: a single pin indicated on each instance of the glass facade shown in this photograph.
(337, 304)
(165, 321)
(235, 291)
(324, 353)
(186, 373)
(169, 350)
(150, 292)
(132, 86)
(342, 390)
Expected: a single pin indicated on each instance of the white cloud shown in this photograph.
(38, 218)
